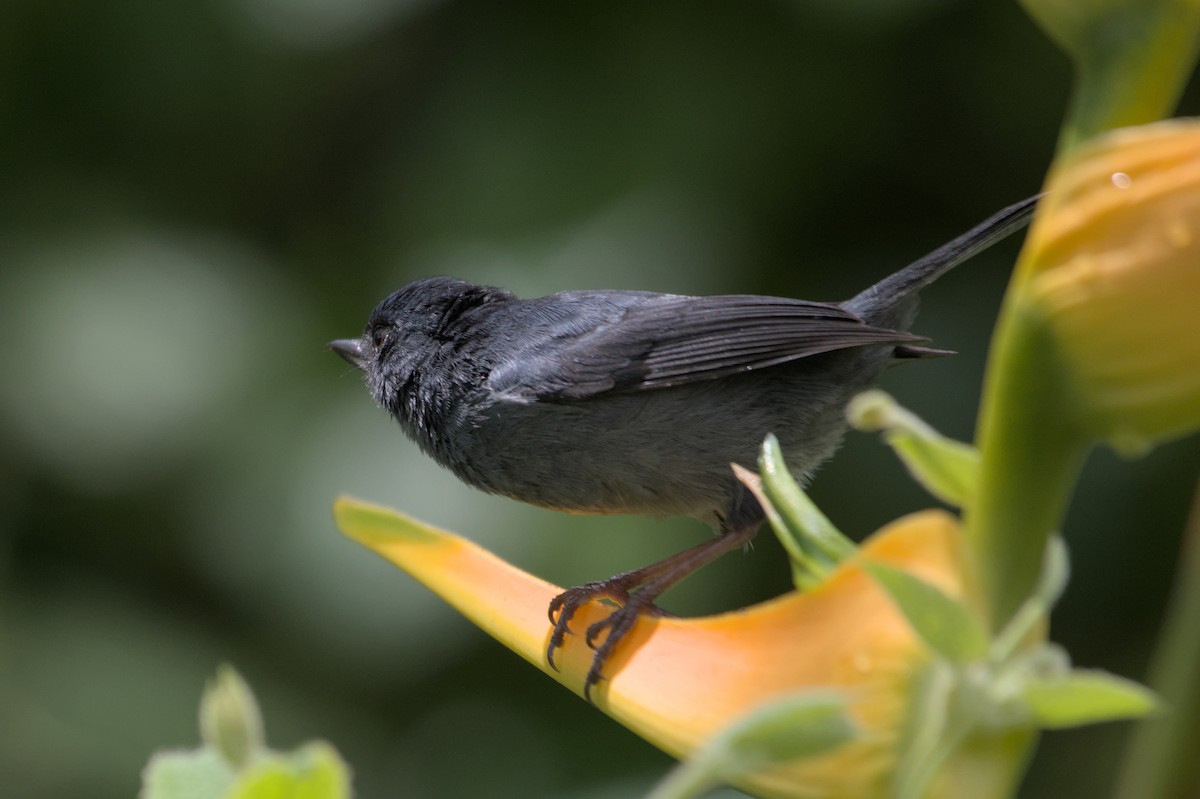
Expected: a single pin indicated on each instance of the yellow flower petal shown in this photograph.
(677, 682)
(1113, 268)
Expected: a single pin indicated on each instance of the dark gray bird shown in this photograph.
(636, 402)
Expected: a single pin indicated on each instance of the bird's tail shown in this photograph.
(875, 301)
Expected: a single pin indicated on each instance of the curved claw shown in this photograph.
(555, 604)
(593, 677)
(618, 623)
(556, 641)
(562, 609)
(599, 627)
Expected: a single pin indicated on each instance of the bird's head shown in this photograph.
(409, 328)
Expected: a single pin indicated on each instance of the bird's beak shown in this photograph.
(351, 349)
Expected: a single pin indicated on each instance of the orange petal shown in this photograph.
(677, 682)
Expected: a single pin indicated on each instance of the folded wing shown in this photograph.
(660, 341)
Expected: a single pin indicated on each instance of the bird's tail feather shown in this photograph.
(923, 271)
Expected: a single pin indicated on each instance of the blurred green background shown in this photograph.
(196, 196)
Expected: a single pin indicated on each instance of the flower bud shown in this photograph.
(1112, 273)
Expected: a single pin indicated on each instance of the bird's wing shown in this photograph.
(660, 341)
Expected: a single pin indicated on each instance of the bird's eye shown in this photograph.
(380, 336)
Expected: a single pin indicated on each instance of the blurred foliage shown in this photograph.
(197, 195)
(234, 761)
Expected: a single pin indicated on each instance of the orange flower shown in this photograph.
(678, 682)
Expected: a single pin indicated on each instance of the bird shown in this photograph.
(636, 402)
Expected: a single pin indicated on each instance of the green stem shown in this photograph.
(1031, 454)
(1162, 762)
(1133, 59)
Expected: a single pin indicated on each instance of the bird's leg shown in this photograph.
(637, 590)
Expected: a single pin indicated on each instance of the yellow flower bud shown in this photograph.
(1112, 271)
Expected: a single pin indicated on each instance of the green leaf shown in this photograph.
(197, 774)
(947, 626)
(1133, 58)
(1086, 697)
(315, 771)
(948, 469)
(807, 572)
(805, 532)
(790, 728)
(817, 534)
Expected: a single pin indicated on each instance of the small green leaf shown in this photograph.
(812, 530)
(947, 626)
(948, 469)
(315, 771)
(1086, 697)
(230, 721)
(197, 774)
(790, 728)
(807, 572)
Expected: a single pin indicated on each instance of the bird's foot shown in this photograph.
(637, 591)
(617, 624)
(563, 608)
